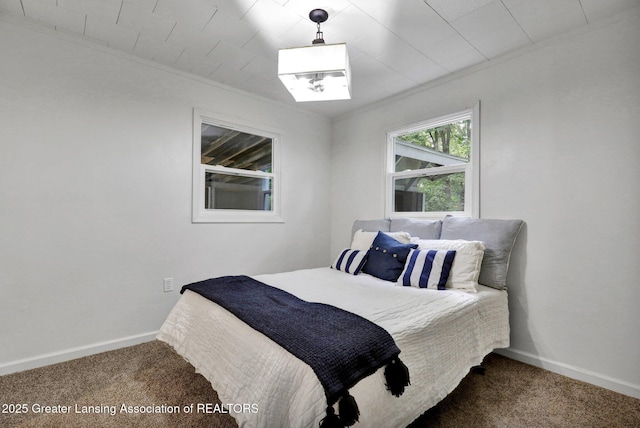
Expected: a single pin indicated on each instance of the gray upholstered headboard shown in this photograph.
(499, 236)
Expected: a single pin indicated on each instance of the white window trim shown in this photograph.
(202, 215)
(471, 169)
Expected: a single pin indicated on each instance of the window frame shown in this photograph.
(471, 169)
(200, 214)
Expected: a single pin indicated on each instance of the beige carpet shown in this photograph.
(510, 394)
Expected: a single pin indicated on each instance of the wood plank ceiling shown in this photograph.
(394, 46)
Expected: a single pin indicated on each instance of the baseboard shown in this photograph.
(73, 353)
(583, 375)
(588, 376)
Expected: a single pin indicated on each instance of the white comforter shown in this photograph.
(441, 335)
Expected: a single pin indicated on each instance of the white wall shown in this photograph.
(559, 149)
(95, 185)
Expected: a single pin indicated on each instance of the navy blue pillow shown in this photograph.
(387, 257)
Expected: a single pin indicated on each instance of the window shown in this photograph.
(235, 176)
(433, 168)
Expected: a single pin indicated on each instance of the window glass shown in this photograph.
(432, 167)
(234, 192)
(448, 144)
(442, 192)
(235, 175)
(235, 149)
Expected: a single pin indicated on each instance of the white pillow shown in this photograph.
(427, 269)
(466, 265)
(350, 261)
(362, 240)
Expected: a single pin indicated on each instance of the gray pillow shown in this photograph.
(423, 229)
(498, 237)
(371, 225)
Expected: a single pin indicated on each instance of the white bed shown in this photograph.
(442, 334)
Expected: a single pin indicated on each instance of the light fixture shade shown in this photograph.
(316, 73)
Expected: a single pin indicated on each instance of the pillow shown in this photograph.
(425, 229)
(362, 240)
(498, 236)
(466, 266)
(371, 225)
(427, 268)
(350, 261)
(387, 257)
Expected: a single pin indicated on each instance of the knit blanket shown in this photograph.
(341, 347)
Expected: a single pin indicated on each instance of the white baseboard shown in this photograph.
(73, 353)
(583, 375)
(588, 376)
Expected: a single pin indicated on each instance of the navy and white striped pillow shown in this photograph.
(350, 261)
(427, 268)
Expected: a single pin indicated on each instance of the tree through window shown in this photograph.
(430, 169)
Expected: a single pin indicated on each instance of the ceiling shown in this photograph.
(393, 46)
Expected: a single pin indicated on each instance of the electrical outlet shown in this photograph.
(168, 284)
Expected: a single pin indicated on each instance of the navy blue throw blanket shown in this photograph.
(341, 347)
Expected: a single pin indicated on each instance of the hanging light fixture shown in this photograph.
(319, 72)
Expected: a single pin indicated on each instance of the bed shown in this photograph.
(441, 333)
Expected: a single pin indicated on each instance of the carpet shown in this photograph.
(149, 385)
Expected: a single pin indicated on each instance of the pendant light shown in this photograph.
(319, 72)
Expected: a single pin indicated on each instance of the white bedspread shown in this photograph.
(441, 335)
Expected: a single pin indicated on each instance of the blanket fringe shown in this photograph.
(348, 410)
(397, 377)
(331, 420)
